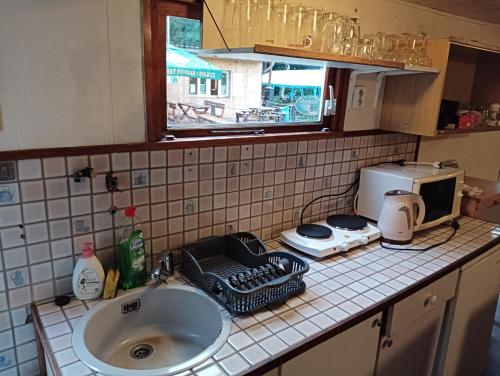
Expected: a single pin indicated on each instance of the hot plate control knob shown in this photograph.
(344, 247)
(364, 240)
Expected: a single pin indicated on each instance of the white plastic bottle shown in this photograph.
(88, 275)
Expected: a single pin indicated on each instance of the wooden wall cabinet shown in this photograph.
(468, 73)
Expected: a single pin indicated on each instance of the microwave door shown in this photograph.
(438, 197)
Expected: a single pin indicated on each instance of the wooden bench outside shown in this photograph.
(174, 113)
(213, 119)
(214, 107)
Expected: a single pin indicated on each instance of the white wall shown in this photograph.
(478, 154)
(381, 15)
(71, 70)
(70, 73)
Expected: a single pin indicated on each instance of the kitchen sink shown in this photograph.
(151, 331)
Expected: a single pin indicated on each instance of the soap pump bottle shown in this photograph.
(88, 276)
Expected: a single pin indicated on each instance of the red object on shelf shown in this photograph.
(468, 120)
(465, 121)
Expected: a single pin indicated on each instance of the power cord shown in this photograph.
(400, 162)
(454, 225)
(353, 184)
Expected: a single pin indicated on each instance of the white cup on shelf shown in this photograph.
(495, 107)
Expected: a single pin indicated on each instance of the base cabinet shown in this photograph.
(473, 316)
(412, 330)
(274, 372)
(351, 353)
(442, 329)
(412, 351)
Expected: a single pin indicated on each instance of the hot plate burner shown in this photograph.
(314, 231)
(347, 222)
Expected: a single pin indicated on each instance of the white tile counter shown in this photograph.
(341, 290)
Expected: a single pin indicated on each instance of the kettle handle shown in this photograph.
(421, 212)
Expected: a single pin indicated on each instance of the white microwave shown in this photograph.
(441, 190)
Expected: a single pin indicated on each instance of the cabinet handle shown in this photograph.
(387, 343)
(376, 323)
(430, 299)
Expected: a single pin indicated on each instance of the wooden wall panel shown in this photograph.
(486, 88)
(459, 80)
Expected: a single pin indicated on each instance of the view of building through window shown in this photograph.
(208, 92)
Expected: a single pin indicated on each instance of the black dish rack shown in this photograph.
(238, 271)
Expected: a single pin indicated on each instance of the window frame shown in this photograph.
(154, 17)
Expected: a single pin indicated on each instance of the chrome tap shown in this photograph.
(164, 268)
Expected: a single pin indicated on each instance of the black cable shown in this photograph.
(454, 225)
(398, 162)
(329, 195)
(216, 25)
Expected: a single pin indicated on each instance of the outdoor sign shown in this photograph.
(184, 63)
(308, 105)
(194, 73)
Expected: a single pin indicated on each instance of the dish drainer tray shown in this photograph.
(238, 271)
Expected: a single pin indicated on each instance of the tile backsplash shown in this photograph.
(181, 195)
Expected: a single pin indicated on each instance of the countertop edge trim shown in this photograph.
(40, 333)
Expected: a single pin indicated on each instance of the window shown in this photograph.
(218, 88)
(203, 86)
(183, 32)
(200, 92)
(263, 94)
(193, 86)
(223, 92)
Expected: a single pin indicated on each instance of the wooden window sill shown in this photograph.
(182, 143)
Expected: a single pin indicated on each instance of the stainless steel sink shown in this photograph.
(151, 331)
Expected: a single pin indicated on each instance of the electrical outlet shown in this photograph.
(358, 97)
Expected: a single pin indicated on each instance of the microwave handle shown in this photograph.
(421, 212)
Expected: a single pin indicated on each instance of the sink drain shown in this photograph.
(141, 351)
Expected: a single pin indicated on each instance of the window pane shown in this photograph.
(193, 86)
(223, 85)
(203, 86)
(218, 92)
(183, 32)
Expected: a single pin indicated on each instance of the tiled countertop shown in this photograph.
(340, 289)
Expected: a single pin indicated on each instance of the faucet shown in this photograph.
(164, 268)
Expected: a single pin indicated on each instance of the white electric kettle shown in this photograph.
(402, 213)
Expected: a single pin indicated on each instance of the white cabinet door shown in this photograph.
(413, 328)
(351, 353)
(411, 351)
(473, 318)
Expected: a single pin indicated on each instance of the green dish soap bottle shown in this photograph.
(132, 252)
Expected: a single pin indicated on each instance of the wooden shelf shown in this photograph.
(409, 69)
(308, 57)
(443, 132)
